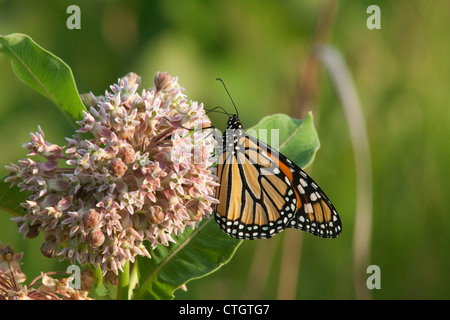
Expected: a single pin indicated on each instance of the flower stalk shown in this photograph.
(123, 284)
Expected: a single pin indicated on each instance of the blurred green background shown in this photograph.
(261, 49)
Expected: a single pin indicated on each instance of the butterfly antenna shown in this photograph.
(237, 113)
(215, 110)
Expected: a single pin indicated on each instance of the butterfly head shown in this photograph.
(234, 122)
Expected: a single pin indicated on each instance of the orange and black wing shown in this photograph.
(262, 192)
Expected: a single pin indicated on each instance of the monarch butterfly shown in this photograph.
(262, 192)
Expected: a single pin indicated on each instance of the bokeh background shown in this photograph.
(262, 49)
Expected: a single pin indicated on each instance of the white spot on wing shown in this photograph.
(303, 182)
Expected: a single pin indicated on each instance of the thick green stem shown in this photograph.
(124, 282)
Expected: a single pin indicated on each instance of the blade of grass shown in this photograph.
(345, 88)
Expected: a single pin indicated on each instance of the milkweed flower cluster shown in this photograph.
(42, 287)
(143, 173)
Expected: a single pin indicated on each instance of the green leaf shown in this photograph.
(44, 72)
(205, 249)
(99, 287)
(195, 254)
(297, 138)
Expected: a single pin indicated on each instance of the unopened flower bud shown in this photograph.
(162, 80)
(96, 238)
(118, 167)
(49, 249)
(91, 219)
(89, 99)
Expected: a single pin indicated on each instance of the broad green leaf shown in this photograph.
(44, 72)
(195, 254)
(203, 250)
(297, 139)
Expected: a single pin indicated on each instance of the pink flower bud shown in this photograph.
(91, 219)
(118, 167)
(162, 80)
(96, 238)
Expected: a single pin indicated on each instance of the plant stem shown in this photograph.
(123, 282)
